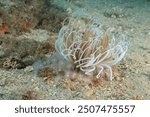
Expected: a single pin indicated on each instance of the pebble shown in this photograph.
(28, 69)
(36, 88)
(113, 29)
(89, 93)
(69, 10)
(138, 97)
(117, 78)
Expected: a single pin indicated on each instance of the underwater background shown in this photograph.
(43, 54)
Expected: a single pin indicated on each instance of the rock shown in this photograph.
(12, 62)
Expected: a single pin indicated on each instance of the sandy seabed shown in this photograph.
(32, 28)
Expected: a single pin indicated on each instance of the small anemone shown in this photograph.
(91, 49)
